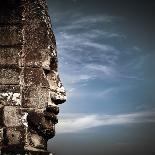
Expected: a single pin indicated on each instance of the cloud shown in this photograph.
(78, 45)
(80, 58)
(93, 52)
(74, 123)
(77, 19)
(107, 70)
(95, 19)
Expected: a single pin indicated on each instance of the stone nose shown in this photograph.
(58, 97)
(57, 93)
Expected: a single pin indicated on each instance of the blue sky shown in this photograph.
(106, 63)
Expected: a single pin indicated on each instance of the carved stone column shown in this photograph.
(30, 87)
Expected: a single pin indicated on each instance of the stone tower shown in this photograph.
(30, 87)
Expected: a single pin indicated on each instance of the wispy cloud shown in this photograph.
(82, 46)
(74, 123)
(95, 19)
(92, 51)
(106, 70)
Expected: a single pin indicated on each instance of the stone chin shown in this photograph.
(42, 124)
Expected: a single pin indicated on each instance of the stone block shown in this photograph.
(10, 95)
(9, 76)
(33, 58)
(14, 136)
(39, 35)
(11, 35)
(9, 56)
(40, 58)
(12, 116)
(10, 99)
(47, 57)
(35, 97)
(34, 77)
(9, 88)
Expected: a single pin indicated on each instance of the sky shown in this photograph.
(106, 55)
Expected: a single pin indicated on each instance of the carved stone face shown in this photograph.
(30, 87)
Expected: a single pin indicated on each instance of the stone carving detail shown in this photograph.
(30, 87)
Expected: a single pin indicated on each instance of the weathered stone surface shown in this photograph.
(33, 59)
(10, 88)
(42, 123)
(14, 136)
(57, 91)
(34, 77)
(10, 35)
(10, 99)
(10, 56)
(39, 35)
(39, 58)
(9, 76)
(35, 97)
(12, 116)
(36, 141)
(37, 16)
(30, 87)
